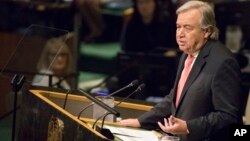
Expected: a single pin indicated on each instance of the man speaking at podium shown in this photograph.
(205, 99)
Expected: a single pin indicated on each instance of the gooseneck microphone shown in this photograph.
(100, 103)
(86, 107)
(130, 85)
(139, 89)
(66, 98)
(106, 132)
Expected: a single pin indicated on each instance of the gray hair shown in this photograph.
(207, 15)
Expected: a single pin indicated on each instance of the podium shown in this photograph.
(44, 118)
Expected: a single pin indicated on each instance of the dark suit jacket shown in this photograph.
(210, 100)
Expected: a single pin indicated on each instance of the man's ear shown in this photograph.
(208, 32)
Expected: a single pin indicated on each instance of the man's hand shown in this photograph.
(132, 122)
(174, 125)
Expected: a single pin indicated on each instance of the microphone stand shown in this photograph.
(86, 107)
(106, 132)
(17, 83)
(66, 99)
(50, 79)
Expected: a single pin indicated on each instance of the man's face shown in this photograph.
(189, 34)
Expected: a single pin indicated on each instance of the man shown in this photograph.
(203, 106)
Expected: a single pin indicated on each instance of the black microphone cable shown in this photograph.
(66, 98)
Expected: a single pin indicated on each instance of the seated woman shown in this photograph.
(55, 63)
(148, 29)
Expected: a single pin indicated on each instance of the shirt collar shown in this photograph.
(195, 54)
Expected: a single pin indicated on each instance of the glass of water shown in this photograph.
(99, 111)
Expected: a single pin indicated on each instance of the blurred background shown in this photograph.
(110, 43)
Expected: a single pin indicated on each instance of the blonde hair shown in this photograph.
(207, 16)
(56, 45)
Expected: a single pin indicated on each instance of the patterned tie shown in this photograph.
(184, 75)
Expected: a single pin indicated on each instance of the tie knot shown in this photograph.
(189, 60)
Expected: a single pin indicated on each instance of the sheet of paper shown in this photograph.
(132, 134)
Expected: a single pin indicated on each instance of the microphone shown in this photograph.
(106, 132)
(100, 103)
(66, 98)
(139, 89)
(130, 85)
(86, 107)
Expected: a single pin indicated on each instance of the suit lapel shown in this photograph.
(196, 69)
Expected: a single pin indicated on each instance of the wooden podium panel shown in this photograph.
(37, 112)
(41, 108)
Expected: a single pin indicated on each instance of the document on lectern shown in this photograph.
(132, 134)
